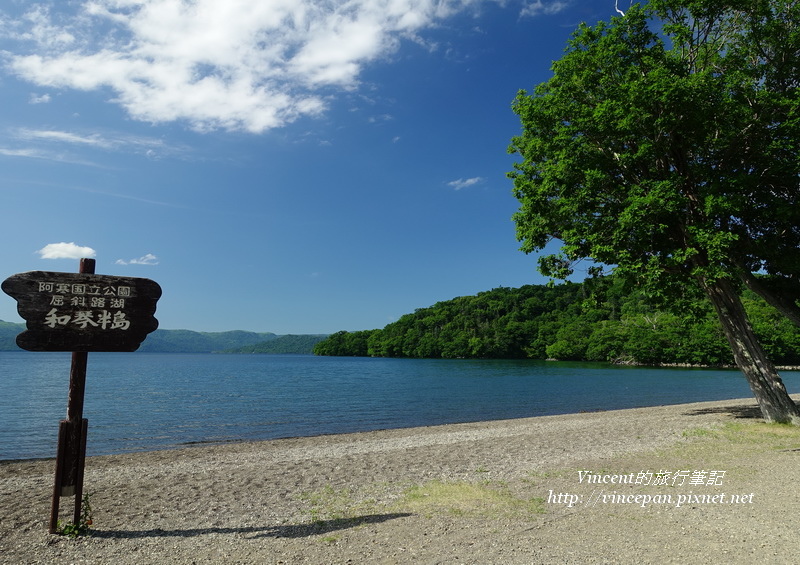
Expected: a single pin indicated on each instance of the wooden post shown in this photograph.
(81, 463)
(71, 454)
(62, 444)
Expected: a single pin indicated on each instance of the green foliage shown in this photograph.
(778, 335)
(666, 144)
(344, 344)
(599, 320)
(82, 526)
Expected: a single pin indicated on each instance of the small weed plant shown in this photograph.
(82, 526)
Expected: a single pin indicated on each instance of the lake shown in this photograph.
(150, 401)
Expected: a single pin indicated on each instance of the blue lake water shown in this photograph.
(148, 401)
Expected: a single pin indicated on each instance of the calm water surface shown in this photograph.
(147, 401)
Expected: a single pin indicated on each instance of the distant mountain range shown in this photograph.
(186, 341)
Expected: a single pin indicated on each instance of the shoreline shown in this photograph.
(480, 492)
(354, 436)
(212, 443)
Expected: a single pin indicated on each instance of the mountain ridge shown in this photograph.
(190, 341)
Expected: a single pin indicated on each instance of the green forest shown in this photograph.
(598, 320)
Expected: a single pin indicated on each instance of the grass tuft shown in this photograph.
(469, 499)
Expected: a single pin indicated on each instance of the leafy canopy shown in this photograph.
(666, 143)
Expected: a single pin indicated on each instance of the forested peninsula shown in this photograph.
(598, 320)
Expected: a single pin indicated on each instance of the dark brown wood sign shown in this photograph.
(83, 312)
(80, 312)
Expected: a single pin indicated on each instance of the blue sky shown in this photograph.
(289, 166)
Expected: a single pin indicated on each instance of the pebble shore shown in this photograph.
(505, 492)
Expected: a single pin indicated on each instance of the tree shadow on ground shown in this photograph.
(738, 411)
(315, 528)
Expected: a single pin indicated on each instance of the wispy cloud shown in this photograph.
(148, 259)
(44, 139)
(28, 152)
(62, 136)
(36, 99)
(540, 7)
(64, 250)
(235, 64)
(464, 183)
(93, 190)
(38, 153)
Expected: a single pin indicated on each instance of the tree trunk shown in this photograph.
(763, 378)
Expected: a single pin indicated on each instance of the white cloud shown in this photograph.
(36, 153)
(539, 7)
(29, 153)
(36, 25)
(464, 183)
(234, 64)
(148, 259)
(111, 141)
(36, 99)
(62, 136)
(65, 251)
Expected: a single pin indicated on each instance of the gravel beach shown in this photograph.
(692, 483)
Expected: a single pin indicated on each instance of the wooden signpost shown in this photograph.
(80, 313)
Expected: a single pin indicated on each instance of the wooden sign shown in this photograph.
(83, 312)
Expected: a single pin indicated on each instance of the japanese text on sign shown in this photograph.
(104, 305)
(83, 311)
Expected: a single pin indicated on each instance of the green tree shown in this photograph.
(666, 144)
(345, 343)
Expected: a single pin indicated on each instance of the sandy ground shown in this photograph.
(693, 483)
